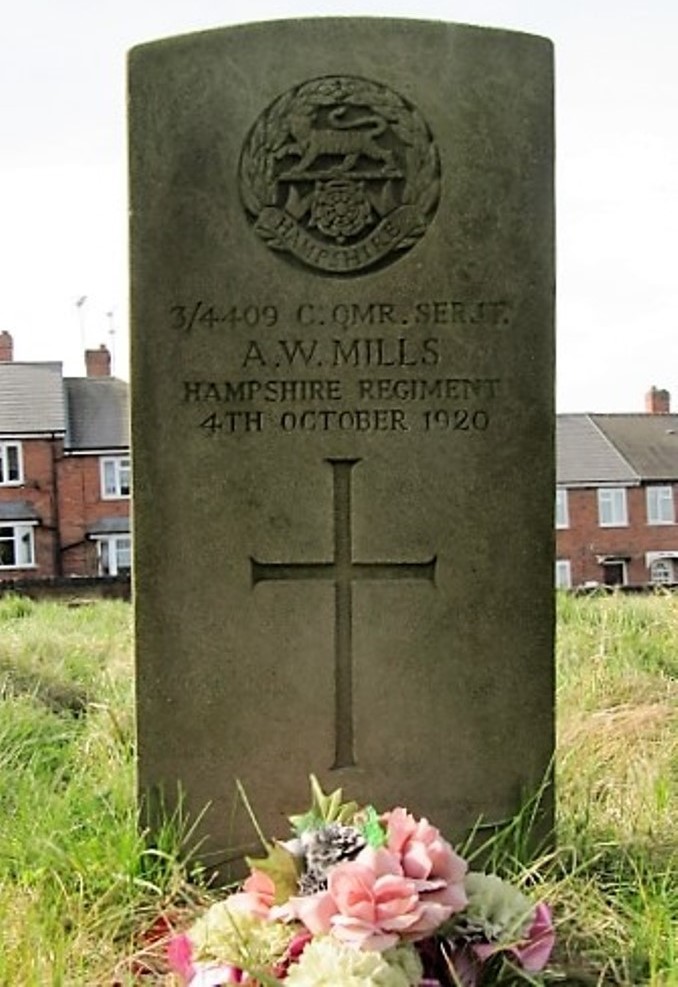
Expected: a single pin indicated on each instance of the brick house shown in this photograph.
(65, 481)
(64, 469)
(617, 481)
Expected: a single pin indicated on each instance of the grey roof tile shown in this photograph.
(109, 526)
(18, 510)
(648, 442)
(586, 457)
(98, 413)
(31, 398)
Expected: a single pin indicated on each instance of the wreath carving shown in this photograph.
(340, 174)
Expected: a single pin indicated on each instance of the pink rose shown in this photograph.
(216, 975)
(292, 954)
(435, 908)
(368, 902)
(196, 974)
(315, 911)
(429, 860)
(534, 955)
(531, 953)
(375, 902)
(257, 896)
(180, 956)
(424, 854)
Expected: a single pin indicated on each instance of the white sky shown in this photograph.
(63, 173)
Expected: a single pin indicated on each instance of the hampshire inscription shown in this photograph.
(343, 571)
(457, 403)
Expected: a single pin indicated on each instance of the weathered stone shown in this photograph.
(342, 281)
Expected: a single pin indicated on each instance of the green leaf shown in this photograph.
(371, 827)
(304, 822)
(324, 809)
(282, 867)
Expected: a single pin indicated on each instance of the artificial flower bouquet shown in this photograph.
(364, 899)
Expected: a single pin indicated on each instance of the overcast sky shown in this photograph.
(63, 221)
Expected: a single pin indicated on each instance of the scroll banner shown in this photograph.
(283, 232)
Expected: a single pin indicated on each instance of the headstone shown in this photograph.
(342, 374)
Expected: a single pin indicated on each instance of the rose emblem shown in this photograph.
(340, 208)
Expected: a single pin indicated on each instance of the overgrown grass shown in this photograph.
(78, 886)
(618, 785)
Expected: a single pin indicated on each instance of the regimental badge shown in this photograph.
(341, 174)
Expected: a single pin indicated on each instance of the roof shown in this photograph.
(17, 510)
(109, 526)
(98, 411)
(31, 398)
(585, 456)
(649, 443)
(594, 450)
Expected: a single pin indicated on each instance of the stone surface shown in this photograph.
(342, 368)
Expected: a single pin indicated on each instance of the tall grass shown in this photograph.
(618, 785)
(79, 888)
(71, 859)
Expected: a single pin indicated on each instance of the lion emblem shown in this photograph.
(346, 141)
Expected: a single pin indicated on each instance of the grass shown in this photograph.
(618, 785)
(79, 887)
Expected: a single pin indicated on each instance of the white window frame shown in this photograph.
(660, 504)
(5, 448)
(612, 507)
(562, 512)
(118, 466)
(662, 572)
(110, 549)
(23, 544)
(563, 574)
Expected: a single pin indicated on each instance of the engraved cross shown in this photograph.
(342, 571)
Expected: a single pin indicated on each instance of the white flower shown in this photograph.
(328, 963)
(226, 935)
(502, 910)
(407, 958)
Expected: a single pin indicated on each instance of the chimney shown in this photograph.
(98, 362)
(657, 402)
(6, 347)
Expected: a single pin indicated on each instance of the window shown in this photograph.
(115, 555)
(562, 514)
(614, 572)
(660, 508)
(661, 571)
(563, 574)
(115, 478)
(16, 546)
(11, 465)
(612, 507)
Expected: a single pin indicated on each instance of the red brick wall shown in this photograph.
(81, 505)
(63, 523)
(584, 540)
(38, 490)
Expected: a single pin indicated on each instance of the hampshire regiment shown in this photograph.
(367, 389)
